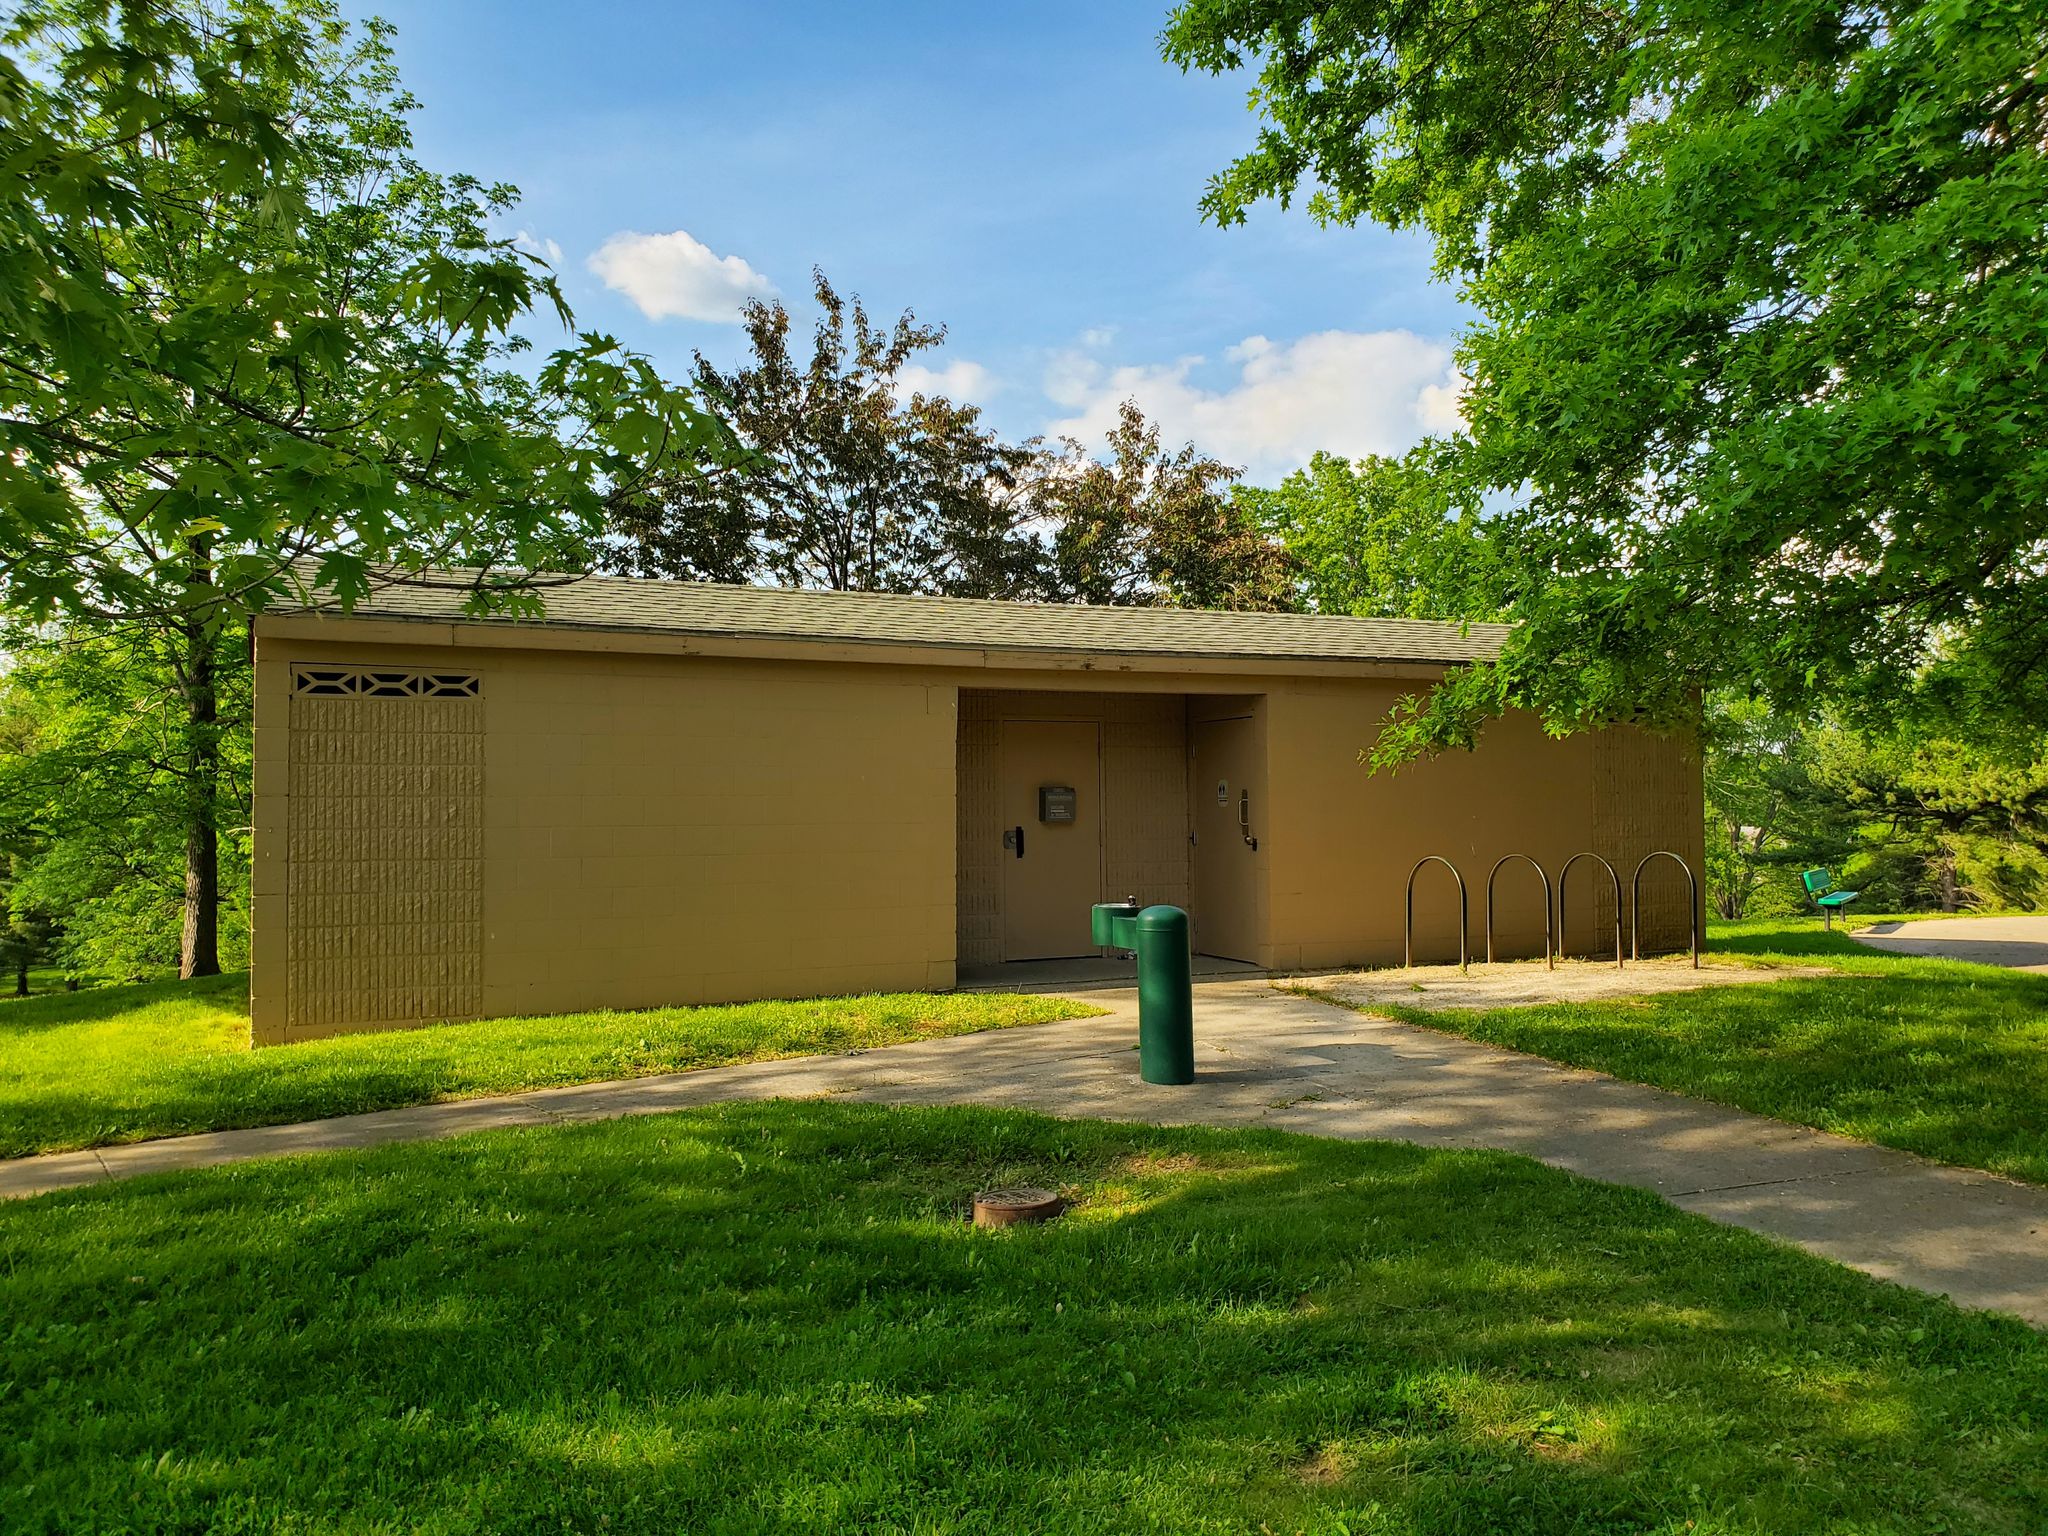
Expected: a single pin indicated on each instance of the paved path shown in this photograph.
(1271, 1058)
(2020, 943)
(1518, 983)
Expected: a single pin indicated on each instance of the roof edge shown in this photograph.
(549, 634)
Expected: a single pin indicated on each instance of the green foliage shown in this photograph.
(1948, 819)
(849, 484)
(128, 1063)
(1766, 815)
(1762, 314)
(240, 321)
(1383, 538)
(98, 789)
(772, 1317)
(1913, 814)
(1147, 525)
(1937, 1057)
(855, 483)
(27, 930)
(250, 348)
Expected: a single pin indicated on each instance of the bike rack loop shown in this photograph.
(1464, 914)
(1635, 915)
(1550, 934)
(1611, 875)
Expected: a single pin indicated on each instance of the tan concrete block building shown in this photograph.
(676, 793)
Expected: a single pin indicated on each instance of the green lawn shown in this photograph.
(1938, 1057)
(127, 1063)
(47, 978)
(771, 1317)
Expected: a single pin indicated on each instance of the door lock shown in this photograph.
(1014, 839)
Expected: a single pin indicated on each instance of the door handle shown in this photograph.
(1014, 838)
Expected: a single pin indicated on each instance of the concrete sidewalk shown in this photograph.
(1271, 1058)
(2017, 943)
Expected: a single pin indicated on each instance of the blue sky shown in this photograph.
(1026, 174)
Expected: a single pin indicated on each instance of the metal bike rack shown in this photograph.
(1551, 934)
(1464, 914)
(1612, 876)
(1635, 915)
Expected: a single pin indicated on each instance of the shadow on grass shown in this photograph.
(770, 1317)
(93, 1005)
(1791, 936)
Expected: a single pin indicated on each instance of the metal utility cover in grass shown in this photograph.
(1016, 1206)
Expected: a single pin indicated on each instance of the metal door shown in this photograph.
(1223, 863)
(1052, 869)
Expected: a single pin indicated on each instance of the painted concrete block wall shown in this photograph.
(675, 828)
(1648, 795)
(1144, 788)
(1343, 840)
(661, 830)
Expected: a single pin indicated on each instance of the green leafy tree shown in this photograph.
(27, 931)
(850, 483)
(1913, 817)
(1761, 314)
(99, 794)
(1383, 538)
(1146, 525)
(242, 326)
(249, 345)
(24, 942)
(1765, 813)
(1947, 822)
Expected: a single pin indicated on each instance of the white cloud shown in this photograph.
(677, 276)
(1442, 406)
(1350, 392)
(962, 382)
(538, 245)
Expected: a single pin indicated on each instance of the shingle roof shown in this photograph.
(640, 605)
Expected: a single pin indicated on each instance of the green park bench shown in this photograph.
(1820, 885)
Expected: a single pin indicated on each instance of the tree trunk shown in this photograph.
(1734, 897)
(199, 950)
(1945, 867)
(21, 975)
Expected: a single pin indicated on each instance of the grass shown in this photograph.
(1938, 1057)
(48, 978)
(771, 1317)
(132, 1062)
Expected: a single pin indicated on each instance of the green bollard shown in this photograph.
(1166, 992)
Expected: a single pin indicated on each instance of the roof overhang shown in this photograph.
(557, 636)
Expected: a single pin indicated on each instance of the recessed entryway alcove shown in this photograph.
(1070, 798)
